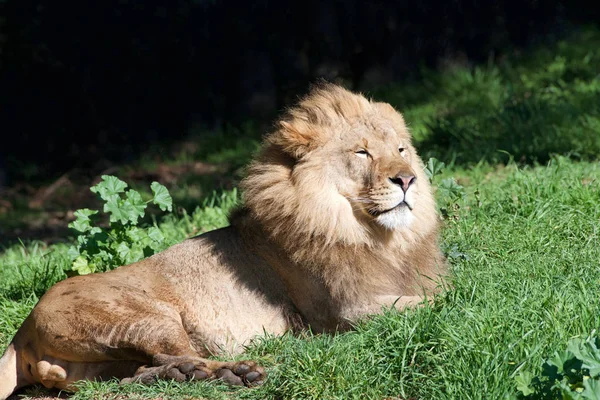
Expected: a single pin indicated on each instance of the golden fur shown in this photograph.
(338, 220)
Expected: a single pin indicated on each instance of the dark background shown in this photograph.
(101, 81)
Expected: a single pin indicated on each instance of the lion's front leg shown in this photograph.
(400, 303)
(184, 368)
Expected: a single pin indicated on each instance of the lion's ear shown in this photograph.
(390, 113)
(296, 137)
(387, 110)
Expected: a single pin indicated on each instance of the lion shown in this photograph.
(337, 222)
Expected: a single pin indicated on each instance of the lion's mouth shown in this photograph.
(376, 213)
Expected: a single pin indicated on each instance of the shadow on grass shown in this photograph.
(192, 170)
(527, 129)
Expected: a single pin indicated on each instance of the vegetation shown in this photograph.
(520, 200)
(123, 242)
(570, 374)
(527, 107)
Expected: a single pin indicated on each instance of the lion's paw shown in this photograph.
(243, 373)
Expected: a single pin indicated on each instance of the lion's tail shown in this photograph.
(9, 377)
(12, 375)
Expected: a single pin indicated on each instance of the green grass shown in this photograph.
(525, 280)
(523, 243)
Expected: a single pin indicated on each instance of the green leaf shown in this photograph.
(73, 252)
(110, 186)
(82, 240)
(80, 226)
(155, 234)
(133, 207)
(135, 255)
(94, 231)
(591, 389)
(524, 383)
(122, 250)
(454, 253)
(567, 394)
(104, 256)
(85, 213)
(588, 353)
(162, 198)
(434, 167)
(82, 267)
(128, 253)
(114, 206)
(559, 359)
(451, 188)
(157, 238)
(137, 235)
(82, 223)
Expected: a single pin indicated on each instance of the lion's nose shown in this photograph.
(403, 181)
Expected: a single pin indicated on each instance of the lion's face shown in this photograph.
(343, 168)
(375, 168)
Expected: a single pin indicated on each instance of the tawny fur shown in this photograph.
(338, 220)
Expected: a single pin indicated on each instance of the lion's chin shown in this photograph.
(399, 217)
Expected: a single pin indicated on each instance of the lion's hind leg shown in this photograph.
(184, 368)
(92, 331)
(59, 374)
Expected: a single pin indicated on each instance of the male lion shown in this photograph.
(338, 220)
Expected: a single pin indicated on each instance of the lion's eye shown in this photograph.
(401, 150)
(362, 153)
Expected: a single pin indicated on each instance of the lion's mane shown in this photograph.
(297, 209)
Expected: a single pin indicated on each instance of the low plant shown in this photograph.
(572, 374)
(449, 192)
(124, 241)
